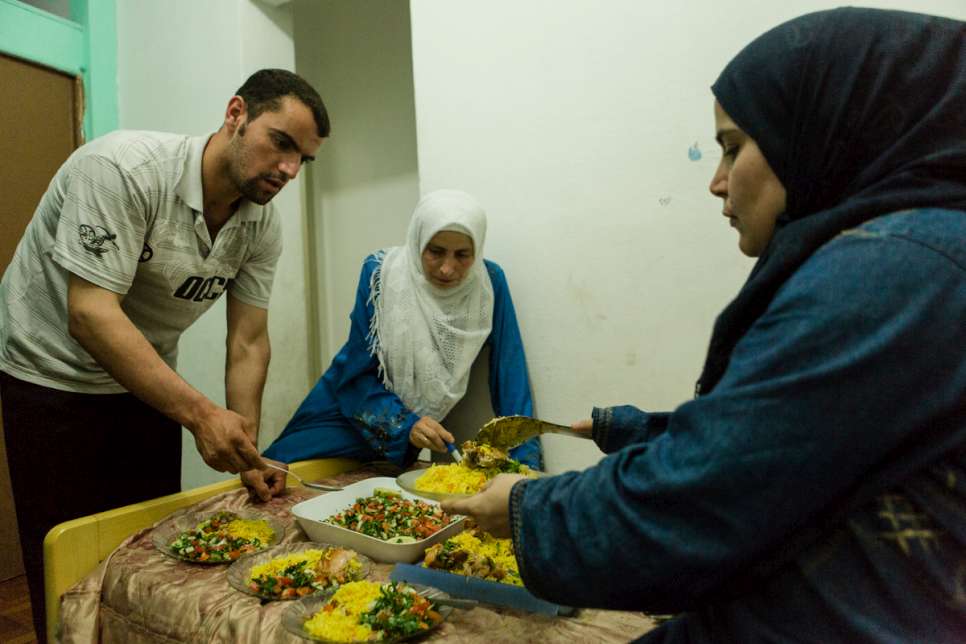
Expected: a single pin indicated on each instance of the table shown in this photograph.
(139, 595)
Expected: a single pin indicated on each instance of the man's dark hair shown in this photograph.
(264, 90)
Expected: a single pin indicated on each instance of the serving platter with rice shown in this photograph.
(294, 570)
(217, 537)
(475, 553)
(458, 480)
(366, 611)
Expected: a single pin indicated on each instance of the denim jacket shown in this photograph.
(818, 493)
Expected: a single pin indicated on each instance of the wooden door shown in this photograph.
(40, 115)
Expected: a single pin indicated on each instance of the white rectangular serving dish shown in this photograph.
(312, 513)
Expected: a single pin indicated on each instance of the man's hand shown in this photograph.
(426, 432)
(223, 440)
(265, 483)
(491, 507)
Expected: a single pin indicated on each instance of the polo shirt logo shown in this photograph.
(93, 239)
(198, 288)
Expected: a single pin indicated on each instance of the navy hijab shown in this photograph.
(860, 113)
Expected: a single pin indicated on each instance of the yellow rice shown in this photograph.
(250, 529)
(454, 478)
(459, 478)
(342, 623)
(482, 544)
(278, 565)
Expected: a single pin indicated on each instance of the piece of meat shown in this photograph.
(483, 456)
(432, 553)
(335, 564)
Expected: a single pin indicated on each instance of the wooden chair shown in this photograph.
(74, 548)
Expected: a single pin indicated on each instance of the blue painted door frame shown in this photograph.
(84, 46)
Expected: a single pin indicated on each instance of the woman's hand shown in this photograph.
(265, 483)
(426, 432)
(491, 507)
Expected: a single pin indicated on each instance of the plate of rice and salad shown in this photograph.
(217, 537)
(476, 566)
(475, 553)
(366, 611)
(294, 570)
(480, 463)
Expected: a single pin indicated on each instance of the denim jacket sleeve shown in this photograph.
(858, 353)
(509, 379)
(617, 427)
(381, 418)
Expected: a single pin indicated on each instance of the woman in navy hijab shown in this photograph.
(815, 490)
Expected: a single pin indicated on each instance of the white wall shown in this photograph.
(179, 61)
(571, 121)
(365, 184)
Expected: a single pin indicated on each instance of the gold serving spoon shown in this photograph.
(316, 486)
(506, 432)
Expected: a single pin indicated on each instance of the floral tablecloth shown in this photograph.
(140, 595)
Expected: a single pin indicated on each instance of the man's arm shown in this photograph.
(248, 354)
(98, 323)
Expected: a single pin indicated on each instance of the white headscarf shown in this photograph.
(427, 337)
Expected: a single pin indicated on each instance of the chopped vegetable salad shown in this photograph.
(221, 538)
(387, 515)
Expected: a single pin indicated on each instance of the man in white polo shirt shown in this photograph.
(137, 236)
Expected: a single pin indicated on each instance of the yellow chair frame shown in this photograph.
(74, 548)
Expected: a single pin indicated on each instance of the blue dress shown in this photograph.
(350, 413)
(817, 494)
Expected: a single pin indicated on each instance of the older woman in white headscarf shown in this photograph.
(423, 312)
